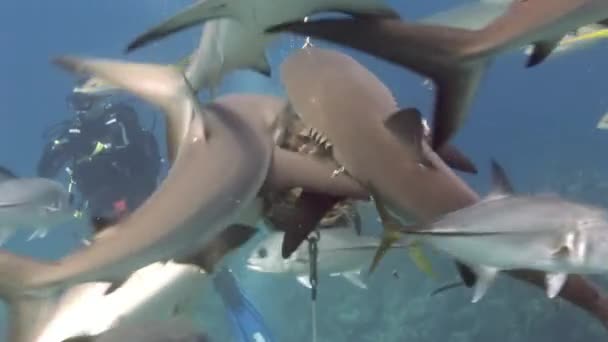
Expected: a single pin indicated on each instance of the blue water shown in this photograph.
(539, 123)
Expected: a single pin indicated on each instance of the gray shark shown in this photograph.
(455, 58)
(506, 231)
(235, 39)
(257, 15)
(221, 156)
(318, 80)
(155, 292)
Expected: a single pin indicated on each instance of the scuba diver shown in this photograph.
(112, 161)
(247, 323)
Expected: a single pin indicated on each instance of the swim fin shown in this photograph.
(248, 323)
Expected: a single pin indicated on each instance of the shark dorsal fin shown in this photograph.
(6, 174)
(501, 186)
(408, 126)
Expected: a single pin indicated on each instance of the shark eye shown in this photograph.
(262, 253)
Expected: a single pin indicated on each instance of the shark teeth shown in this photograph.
(318, 137)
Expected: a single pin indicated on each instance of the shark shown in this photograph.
(221, 156)
(456, 59)
(317, 80)
(407, 174)
(506, 231)
(257, 15)
(159, 291)
(224, 46)
(234, 39)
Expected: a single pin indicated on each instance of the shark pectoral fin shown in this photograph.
(262, 66)
(195, 14)
(305, 281)
(408, 127)
(231, 238)
(114, 285)
(455, 159)
(290, 170)
(485, 278)
(554, 283)
(541, 51)
(311, 207)
(161, 85)
(354, 277)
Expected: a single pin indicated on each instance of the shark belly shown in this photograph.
(152, 293)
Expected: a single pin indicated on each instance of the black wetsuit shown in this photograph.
(126, 169)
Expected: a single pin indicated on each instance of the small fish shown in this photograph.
(342, 252)
(508, 232)
(32, 203)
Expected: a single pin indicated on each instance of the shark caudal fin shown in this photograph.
(444, 54)
(161, 85)
(195, 14)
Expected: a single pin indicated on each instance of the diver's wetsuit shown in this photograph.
(115, 163)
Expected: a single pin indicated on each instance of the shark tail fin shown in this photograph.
(452, 57)
(163, 86)
(195, 14)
